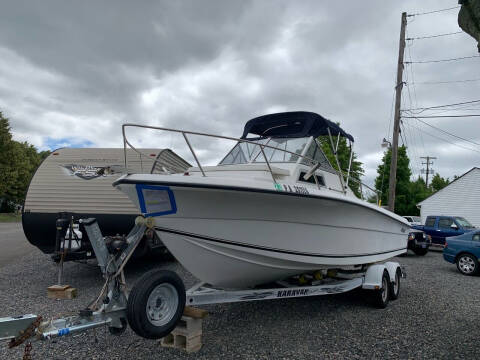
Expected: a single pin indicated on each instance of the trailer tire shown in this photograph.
(395, 286)
(382, 295)
(156, 304)
(420, 251)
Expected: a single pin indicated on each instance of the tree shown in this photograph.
(7, 152)
(408, 193)
(417, 193)
(403, 180)
(343, 153)
(438, 183)
(18, 162)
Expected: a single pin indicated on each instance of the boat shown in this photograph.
(273, 208)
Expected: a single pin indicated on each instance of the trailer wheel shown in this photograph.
(382, 295)
(395, 286)
(156, 304)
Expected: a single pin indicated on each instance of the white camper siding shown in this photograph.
(55, 189)
(460, 198)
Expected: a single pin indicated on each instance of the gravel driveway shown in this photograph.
(435, 317)
(13, 243)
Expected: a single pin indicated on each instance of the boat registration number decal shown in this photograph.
(156, 200)
(292, 188)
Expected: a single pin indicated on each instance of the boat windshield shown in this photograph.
(244, 153)
(464, 222)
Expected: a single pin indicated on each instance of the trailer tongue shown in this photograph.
(113, 297)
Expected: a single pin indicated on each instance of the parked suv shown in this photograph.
(417, 240)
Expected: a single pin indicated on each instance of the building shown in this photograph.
(459, 198)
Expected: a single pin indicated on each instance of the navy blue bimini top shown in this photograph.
(294, 124)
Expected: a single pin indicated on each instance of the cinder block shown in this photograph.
(182, 342)
(188, 327)
(186, 336)
(168, 341)
(193, 344)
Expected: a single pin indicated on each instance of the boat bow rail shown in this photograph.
(203, 169)
(300, 157)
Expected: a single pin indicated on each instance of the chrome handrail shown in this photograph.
(185, 132)
(262, 147)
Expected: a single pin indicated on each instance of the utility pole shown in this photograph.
(428, 163)
(396, 126)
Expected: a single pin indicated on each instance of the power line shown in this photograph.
(434, 36)
(403, 141)
(434, 11)
(439, 138)
(449, 133)
(409, 149)
(444, 82)
(441, 60)
(440, 116)
(417, 133)
(440, 111)
(442, 106)
(412, 137)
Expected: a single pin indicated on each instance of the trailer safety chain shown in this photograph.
(25, 334)
(27, 355)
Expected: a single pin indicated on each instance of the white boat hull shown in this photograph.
(239, 237)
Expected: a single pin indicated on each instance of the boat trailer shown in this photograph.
(157, 301)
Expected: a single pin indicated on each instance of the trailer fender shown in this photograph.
(374, 273)
(373, 277)
(392, 268)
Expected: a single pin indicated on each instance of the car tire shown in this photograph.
(420, 251)
(467, 264)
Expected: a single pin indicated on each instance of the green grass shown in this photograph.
(6, 217)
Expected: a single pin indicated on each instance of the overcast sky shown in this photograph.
(72, 72)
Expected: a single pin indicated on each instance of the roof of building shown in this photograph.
(439, 191)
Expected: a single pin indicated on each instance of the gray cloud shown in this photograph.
(80, 70)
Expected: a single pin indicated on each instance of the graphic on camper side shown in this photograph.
(88, 172)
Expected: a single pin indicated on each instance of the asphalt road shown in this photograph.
(435, 317)
(13, 244)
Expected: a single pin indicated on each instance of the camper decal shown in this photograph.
(88, 172)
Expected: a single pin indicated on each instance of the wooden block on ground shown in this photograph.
(61, 292)
(195, 313)
(58, 287)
